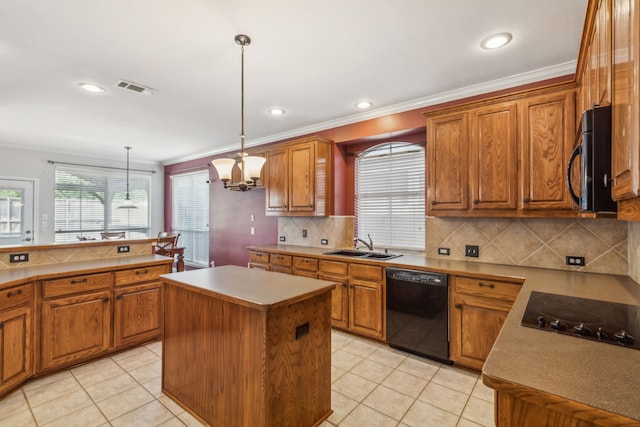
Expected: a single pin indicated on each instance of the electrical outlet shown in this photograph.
(22, 257)
(283, 239)
(577, 261)
(304, 232)
(324, 242)
(444, 251)
(472, 251)
(123, 249)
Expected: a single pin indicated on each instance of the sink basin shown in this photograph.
(362, 254)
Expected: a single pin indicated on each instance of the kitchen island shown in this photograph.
(247, 347)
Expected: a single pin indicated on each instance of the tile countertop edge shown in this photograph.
(594, 374)
(575, 369)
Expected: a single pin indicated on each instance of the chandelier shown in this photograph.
(250, 166)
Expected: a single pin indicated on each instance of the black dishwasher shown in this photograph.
(417, 313)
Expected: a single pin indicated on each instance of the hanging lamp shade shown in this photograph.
(250, 166)
(127, 204)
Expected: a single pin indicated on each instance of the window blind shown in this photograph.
(389, 198)
(87, 201)
(190, 207)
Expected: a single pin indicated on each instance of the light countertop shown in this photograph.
(251, 287)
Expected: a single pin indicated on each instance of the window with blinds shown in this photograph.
(88, 200)
(390, 196)
(190, 206)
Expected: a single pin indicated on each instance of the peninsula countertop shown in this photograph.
(599, 375)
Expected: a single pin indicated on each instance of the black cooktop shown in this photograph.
(602, 321)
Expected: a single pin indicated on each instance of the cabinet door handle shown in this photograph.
(1, 325)
(106, 299)
(118, 297)
(11, 294)
(75, 282)
(458, 306)
(434, 202)
(526, 200)
(139, 272)
(490, 285)
(476, 201)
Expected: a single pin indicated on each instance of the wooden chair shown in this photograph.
(112, 235)
(168, 246)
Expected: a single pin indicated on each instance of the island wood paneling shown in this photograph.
(244, 365)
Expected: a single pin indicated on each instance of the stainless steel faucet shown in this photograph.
(368, 245)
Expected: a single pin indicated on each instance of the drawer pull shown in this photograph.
(490, 285)
(106, 299)
(139, 272)
(75, 282)
(458, 306)
(18, 292)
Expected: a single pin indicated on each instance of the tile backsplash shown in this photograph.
(57, 254)
(606, 244)
(338, 230)
(534, 242)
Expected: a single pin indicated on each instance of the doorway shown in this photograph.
(16, 212)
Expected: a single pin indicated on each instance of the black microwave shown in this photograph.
(595, 173)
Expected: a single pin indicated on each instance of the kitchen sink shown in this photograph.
(362, 254)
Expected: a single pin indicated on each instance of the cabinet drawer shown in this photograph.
(76, 284)
(487, 288)
(363, 271)
(259, 257)
(334, 267)
(302, 263)
(279, 259)
(280, 268)
(142, 274)
(15, 296)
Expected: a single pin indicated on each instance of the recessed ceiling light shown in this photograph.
(364, 104)
(276, 111)
(495, 41)
(90, 87)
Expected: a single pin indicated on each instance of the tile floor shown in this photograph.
(372, 385)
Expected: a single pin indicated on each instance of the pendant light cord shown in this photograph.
(242, 113)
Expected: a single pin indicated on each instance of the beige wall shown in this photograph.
(634, 251)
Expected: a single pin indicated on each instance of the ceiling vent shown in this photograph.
(134, 87)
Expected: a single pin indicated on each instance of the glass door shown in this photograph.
(16, 212)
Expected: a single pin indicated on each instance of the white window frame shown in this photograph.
(192, 219)
(390, 197)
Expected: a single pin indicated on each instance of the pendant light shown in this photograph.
(127, 204)
(250, 166)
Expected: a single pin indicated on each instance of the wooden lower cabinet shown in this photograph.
(477, 311)
(74, 328)
(136, 314)
(15, 346)
(365, 304)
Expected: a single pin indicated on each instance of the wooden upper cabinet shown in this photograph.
(298, 178)
(447, 159)
(625, 148)
(277, 188)
(547, 138)
(302, 185)
(493, 157)
(603, 33)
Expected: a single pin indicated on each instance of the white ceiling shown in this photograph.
(315, 59)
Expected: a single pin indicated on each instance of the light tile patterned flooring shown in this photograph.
(372, 385)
